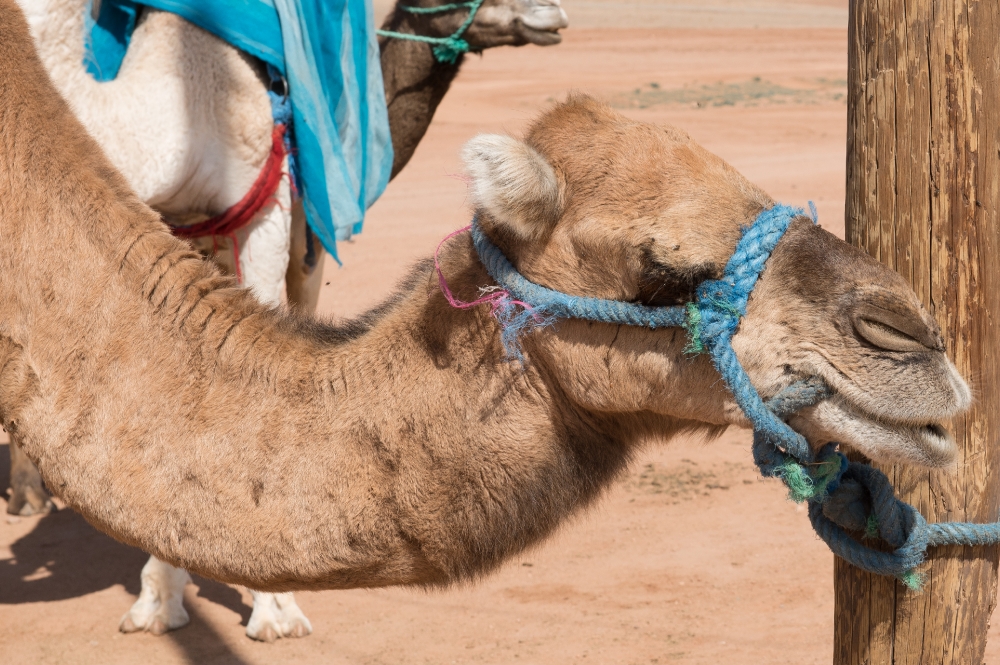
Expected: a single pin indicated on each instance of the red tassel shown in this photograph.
(240, 214)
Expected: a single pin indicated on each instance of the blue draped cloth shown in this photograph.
(328, 52)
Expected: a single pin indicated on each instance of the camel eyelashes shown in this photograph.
(885, 337)
(893, 330)
(664, 285)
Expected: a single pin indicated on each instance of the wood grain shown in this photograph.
(923, 172)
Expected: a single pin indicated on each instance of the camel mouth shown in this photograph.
(539, 37)
(541, 25)
(926, 444)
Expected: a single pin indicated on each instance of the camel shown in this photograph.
(159, 122)
(404, 447)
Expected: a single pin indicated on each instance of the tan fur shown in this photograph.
(179, 415)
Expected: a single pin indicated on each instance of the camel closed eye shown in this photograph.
(891, 331)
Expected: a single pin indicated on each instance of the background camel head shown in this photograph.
(593, 203)
(501, 23)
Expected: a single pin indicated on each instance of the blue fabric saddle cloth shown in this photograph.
(328, 52)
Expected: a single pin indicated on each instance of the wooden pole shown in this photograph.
(923, 190)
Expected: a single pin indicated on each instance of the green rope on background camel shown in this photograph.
(446, 49)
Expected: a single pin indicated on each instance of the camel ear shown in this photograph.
(513, 183)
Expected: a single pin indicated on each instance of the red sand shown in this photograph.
(692, 560)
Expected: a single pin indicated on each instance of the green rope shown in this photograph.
(912, 579)
(796, 478)
(436, 10)
(693, 327)
(871, 526)
(446, 49)
(807, 482)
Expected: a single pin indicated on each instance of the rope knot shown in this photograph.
(449, 51)
(866, 502)
(712, 318)
(446, 50)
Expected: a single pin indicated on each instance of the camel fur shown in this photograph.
(402, 447)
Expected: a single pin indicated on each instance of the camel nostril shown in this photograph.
(936, 430)
(894, 331)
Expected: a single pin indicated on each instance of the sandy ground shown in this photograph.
(693, 558)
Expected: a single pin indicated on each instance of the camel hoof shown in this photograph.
(266, 634)
(160, 606)
(276, 615)
(299, 630)
(36, 508)
(28, 501)
(158, 621)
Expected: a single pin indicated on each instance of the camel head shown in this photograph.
(499, 23)
(517, 22)
(592, 203)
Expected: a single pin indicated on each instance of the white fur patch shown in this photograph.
(160, 606)
(276, 615)
(513, 183)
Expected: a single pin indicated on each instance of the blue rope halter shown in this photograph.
(842, 495)
(446, 49)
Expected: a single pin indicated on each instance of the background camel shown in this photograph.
(188, 120)
(453, 458)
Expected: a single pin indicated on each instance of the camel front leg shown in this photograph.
(304, 278)
(27, 495)
(160, 606)
(264, 249)
(264, 245)
(276, 615)
(264, 259)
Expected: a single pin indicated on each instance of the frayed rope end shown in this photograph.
(800, 485)
(913, 580)
(515, 317)
(809, 484)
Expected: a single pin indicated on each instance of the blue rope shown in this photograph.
(564, 306)
(446, 49)
(843, 496)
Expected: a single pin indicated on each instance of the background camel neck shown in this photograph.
(415, 83)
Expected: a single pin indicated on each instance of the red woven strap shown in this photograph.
(240, 214)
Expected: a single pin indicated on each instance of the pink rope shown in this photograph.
(497, 300)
